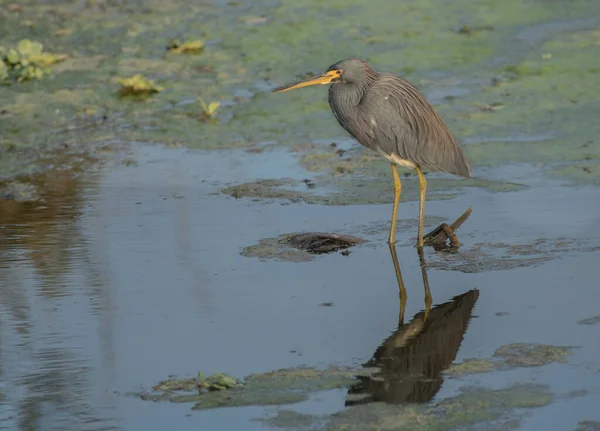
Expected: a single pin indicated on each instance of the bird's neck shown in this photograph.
(344, 100)
(346, 96)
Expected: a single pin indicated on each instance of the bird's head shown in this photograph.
(350, 71)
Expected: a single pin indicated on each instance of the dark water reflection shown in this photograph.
(114, 282)
(46, 377)
(412, 358)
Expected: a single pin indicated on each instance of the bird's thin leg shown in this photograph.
(401, 288)
(397, 190)
(422, 191)
(428, 299)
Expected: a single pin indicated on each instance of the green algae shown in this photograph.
(284, 386)
(470, 366)
(473, 408)
(358, 190)
(532, 355)
(587, 172)
(485, 257)
(547, 76)
(26, 61)
(289, 419)
(512, 356)
(292, 385)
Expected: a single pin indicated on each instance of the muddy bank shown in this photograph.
(515, 92)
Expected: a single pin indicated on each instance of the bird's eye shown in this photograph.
(338, 72)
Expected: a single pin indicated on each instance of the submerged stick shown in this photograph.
(439, 236)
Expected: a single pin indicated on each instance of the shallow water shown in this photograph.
(163, 261)
(133, 273)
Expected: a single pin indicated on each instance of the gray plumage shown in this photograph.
(387, 114)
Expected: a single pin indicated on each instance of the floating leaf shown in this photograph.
(189, 47)
(138, 84)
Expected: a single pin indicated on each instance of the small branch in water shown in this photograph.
(439, 237)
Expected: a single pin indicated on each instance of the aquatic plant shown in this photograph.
(189, 47)
(27, 61)
(209, 111)
(138, 85)
(3, 71)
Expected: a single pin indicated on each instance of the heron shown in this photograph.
(387, 114)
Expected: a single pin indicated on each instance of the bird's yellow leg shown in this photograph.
(428, 298)
(397, 190)
(422, 191)
(401, 288)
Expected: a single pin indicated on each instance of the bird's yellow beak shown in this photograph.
(324, 78)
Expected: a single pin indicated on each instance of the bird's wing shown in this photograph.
(404, 123)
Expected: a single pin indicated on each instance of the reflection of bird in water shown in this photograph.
(411, 360)
(388, 114)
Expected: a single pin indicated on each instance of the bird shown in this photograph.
(389, 115)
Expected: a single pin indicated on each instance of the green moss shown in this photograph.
(26, 61)
(577, 173)
(526, 355)
(472, 366)
(492, 409)
(285, 386)
(544, 87)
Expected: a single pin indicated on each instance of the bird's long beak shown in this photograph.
(324, 78)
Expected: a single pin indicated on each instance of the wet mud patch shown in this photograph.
(588, 426)
(484, 257)
(351, 190)
(590, 321)
(300, 247)
(549, 75)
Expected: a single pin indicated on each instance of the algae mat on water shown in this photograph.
(473, 406)
(535, 58)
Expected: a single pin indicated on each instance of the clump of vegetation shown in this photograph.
(27, 61)
(3, 70)
(189, 47)
(138, 85)
(216, 382)
(209, 111)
